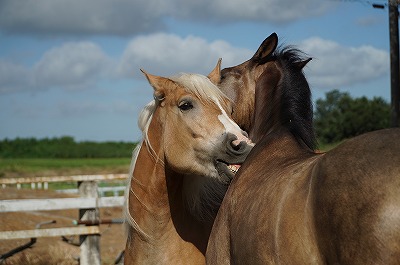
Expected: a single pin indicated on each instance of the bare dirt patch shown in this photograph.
(53, 250)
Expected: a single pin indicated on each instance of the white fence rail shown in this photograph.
(59, 204)
(50, 232)
(88, 204)
(43, 182)
(102, 190)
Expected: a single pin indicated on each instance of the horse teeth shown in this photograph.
(234, 168)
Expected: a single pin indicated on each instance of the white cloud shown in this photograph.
(129, 17)
(80, 65)
(76, 65)
(83, 64)
(335, 65)
(168, 54)
(71, 65)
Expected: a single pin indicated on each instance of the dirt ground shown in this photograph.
(54, 250)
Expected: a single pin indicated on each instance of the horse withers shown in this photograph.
(190, 150)
(289, 204)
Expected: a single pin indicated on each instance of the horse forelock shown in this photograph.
(201, 86)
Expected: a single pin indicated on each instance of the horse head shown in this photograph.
(238, 82)
(262, 90)
(194, 129)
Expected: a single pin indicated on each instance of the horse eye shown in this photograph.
(185, 106)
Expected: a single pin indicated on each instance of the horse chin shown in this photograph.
(226, 171)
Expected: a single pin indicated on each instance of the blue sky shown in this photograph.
(71, 67)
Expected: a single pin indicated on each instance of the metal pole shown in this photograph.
(394, 62)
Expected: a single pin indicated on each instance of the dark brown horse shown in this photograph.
(290, 205)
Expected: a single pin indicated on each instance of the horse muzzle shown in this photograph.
(233, 153)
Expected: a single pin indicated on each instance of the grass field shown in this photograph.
(26, 167)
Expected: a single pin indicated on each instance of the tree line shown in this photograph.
(63, 147)
(336, 117)
(339, 116)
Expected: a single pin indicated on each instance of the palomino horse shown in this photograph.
(182, 166)
(290, 205)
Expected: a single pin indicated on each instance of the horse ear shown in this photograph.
(215, 75)
(266, 48)
(300, 65)
(158, 83)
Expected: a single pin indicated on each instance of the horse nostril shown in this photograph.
(234, 145)
(237, 146)
(235, 149)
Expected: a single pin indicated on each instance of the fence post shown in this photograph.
(90, 244)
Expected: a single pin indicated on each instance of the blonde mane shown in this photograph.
(144, 120)
(201, 87)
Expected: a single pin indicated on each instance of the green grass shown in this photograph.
(26, 167)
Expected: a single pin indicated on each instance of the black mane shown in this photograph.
(296, 109)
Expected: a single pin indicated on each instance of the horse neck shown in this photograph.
(267, 106)
(283, 100)
(158, 210)
(148, 196)
(277, 148)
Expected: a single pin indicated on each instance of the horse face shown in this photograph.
(198, 135)
(238, 82)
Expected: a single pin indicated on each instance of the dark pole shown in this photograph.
(394, 61)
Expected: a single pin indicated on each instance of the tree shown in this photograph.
(339, 116)
(63, 147)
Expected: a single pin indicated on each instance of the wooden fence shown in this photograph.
(43, 182)
(115, 190)
(88, 204)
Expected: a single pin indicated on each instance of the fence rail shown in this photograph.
(59, 204)
(43, 181)
(88, 204)
(50, 232)
(102, 190)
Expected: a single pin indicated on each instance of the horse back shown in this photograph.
(357, 200)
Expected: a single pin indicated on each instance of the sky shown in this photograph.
(72, 67)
